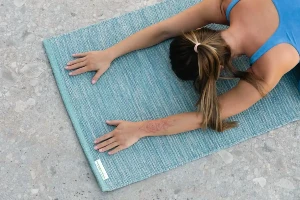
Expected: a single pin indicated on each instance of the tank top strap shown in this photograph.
(229, 8)
(276, 38)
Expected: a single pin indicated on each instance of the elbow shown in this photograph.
(166, 34)
(161, 31)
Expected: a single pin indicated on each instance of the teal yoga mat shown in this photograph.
(141, 86)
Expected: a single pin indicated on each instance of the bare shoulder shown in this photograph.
(276, 62)
(270, 68)
(215, 11)
(198, 15)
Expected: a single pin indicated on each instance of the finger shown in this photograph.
(108, 147)
(76, 61)
(114, 122)
(76, 55)
(78, 71)
(97, 76)
(103, 144)
(104, 137)
(115, 150)
(77, 65)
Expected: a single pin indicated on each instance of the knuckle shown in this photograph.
(117, 138)
(88, 66)
(99, 145)
(104, 148)
(107, 142)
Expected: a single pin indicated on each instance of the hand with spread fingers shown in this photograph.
(123, 136)
(90, 61)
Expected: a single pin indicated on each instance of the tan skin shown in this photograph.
(252, 22)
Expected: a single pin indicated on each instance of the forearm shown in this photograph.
(171, 125)
(147, 37)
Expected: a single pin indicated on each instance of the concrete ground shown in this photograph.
(40, 156)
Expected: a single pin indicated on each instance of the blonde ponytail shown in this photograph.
(197, 55)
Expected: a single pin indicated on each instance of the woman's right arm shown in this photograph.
(201, 14)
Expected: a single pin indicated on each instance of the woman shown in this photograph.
(264, 30)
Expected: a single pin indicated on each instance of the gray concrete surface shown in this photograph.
(40, 156)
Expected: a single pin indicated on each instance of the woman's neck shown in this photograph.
(234, 42)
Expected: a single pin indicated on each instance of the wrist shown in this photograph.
(111, 54)
(141, 130)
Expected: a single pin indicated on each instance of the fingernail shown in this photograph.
(93, 81)
(101, 150)
(95, 141)
(66, 67)
(107, 121)
(95, 148)
(70, 73)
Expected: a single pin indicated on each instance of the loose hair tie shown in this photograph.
(196, 46)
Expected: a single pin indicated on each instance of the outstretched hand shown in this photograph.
(90, 61)
(123, 136)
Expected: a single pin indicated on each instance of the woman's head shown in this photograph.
(198, 55)
(211, 53)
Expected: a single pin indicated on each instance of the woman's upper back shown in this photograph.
(265, 24)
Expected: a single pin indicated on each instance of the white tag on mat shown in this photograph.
(101, 169)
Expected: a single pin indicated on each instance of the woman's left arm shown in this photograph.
(236, 100)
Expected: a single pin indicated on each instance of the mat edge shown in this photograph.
(211, 152)
(71, 114)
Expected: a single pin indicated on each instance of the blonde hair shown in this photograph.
(211, 53)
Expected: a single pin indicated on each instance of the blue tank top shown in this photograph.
(288, 30)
